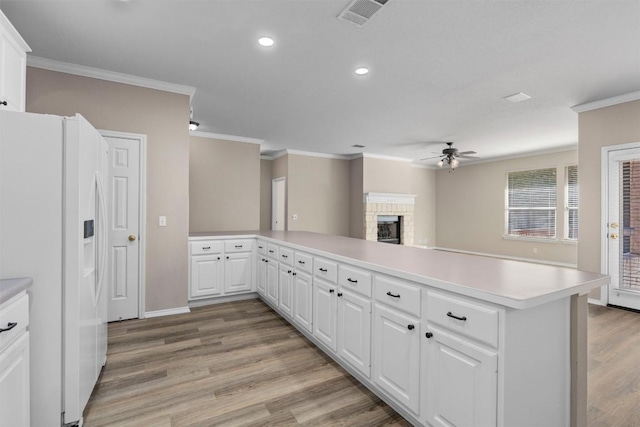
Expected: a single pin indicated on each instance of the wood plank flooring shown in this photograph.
(614, 367)
(240, 364)
(234, 364)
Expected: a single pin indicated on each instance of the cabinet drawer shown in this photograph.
(304, 262)
(273, 251)
(397, 293)
(286, 256)
(262, 247)
(355, 279)
(463, 316)
(16, 312)
(239, 245)
(326, 269)
(206, 247)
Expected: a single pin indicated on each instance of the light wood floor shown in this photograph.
(239, 364)
(614, 367)
(235, 364)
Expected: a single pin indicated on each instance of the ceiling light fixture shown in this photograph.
(362, 71)
(193, 125)
(265, 41)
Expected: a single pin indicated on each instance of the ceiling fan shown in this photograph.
(450, 156)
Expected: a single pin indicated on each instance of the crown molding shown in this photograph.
(314, 154)
(15, 35)
(380, 157)
(111, 76)
(608, 102)
(226, 137)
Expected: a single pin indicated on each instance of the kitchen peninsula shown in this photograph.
(445, 338)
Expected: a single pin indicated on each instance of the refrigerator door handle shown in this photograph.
(103, 237)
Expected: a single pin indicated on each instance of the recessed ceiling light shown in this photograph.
(265, 41)
(517, 97)
(362, 71)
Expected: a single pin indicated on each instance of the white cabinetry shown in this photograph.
(272, 274)
(261, 276)
(13, 65)
(396, 340)
(285, 292)
(303, 291)
(460, 362)
(14, 362)
(325, 303)
(354, 318)
(220, 267)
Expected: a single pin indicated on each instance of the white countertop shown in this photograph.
(12, 287)
(514, 284)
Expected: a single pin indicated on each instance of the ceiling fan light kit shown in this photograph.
(449, 156)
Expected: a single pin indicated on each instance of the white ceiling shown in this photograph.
(438, 69)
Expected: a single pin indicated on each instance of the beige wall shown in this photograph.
(386, 176)
(163, 117)
(423, 185)
(618, 124)
(356, 227)
(318, 193)
(266, 171)
(224, 185)
(470, 212)
(280, 169)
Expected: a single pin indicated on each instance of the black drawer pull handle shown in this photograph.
(324, 270)
(9, 327)
(284, 256)
(392, 295)
(227, 257)
(218, 257)
(3, 103)
(206, 247)
(238, 246)
(428, 334)
(349, 279)
(410, 327)
(294, 273)
(260, 247)
(463, 318)
(288, 271)
(266, 260)
(339, 294)
(331, 291)
(270, 251)
(301, 262)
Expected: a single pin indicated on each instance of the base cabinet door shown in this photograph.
(14, 383)
(303, 300)
(237, 272)
(460, 381)
(396, 355)
(272, 281)
(285, 294)
(261, 280)
(354, 330)
(206, 276)
(325, 313)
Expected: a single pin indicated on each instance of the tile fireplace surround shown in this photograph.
(389, 204)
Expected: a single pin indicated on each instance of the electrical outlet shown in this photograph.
(162, 221)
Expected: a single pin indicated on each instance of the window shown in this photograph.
(531, 203)
(571, 211)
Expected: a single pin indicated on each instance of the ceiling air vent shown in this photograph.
(360, 11)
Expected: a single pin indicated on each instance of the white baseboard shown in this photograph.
(595, 301)
(537, 261)
(167, 312)
(220, 300)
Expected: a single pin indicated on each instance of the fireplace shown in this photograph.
(389, 229)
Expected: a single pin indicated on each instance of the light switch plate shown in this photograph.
(162, 221)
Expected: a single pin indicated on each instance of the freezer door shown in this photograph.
(85, 265)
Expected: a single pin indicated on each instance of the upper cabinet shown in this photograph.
(13, 67)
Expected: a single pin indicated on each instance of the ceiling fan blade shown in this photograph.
(429, 158)
(467, 157)
(462, 153)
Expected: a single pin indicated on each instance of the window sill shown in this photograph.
(569, 242)
(530, 239)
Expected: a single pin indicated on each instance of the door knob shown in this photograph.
(132, 237)
(614, 225)
(613, 236)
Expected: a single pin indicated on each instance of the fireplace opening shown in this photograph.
(389, 229)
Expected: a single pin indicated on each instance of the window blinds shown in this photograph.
(572, 203)
(531, 203)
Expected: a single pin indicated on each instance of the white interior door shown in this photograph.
(125, 223)
(623, 227)
(278, 197)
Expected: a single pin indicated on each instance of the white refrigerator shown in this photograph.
(53, 221)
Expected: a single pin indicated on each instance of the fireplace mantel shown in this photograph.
(390, 198)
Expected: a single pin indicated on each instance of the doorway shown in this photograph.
(126, 231)
(622, 223)
(278, 205)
